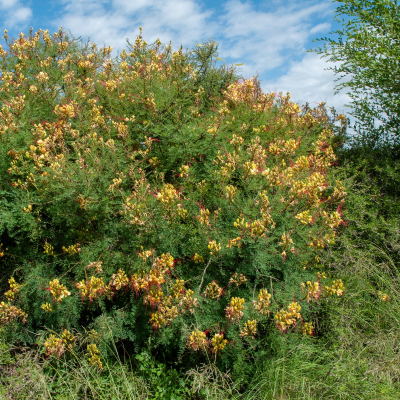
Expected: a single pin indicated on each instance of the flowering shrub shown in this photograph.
(159, 191)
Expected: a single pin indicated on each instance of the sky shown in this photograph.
(271, 37)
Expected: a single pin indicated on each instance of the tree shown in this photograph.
(368, 52)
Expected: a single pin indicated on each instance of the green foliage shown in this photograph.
(368, 53)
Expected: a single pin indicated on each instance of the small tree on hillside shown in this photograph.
(368, 50)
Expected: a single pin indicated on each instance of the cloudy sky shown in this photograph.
(269, 36)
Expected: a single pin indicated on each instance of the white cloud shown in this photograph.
(320, 28)
(14, 14)
(4, 4)
(267, 40)
(111, 22)
(307, 81)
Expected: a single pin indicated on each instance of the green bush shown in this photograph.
(160, 195)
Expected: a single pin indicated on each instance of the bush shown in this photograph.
(162, 196)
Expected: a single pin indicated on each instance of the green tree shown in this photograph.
(367, 54)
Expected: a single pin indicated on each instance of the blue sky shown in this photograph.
(270, 37)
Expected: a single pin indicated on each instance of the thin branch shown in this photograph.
(204, 272)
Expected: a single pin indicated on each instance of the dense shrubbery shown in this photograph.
(159, 201)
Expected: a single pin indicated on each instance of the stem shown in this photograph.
(204, 272)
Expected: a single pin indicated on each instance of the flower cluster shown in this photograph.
(54, 346)
(234, 311)
(167, 195)
(263, 302)
(286, 318)
(308, 328)
(93, 353)
(10, 313)
(214, 247)
(213, 291)
(237, 279)
(58, 290)
(197, 340)
(337, 288)
(46, 307)
(218, 343)
(14, 289)
(313, 290)
(92, 288)
(249, 329)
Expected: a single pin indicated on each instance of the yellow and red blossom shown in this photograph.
(10, 313)
(58, 290)
(204, 216)
(68, 339)
(163, 316)
(237, 242)
(218, 343)
(337, 288)
(263, 302)
(14, 289)
(178, 288)
(197, 340)
(234, 311)
(304, 217)
(188, 302)
(163, 264)
(237, 279)
(167, 195)
(197, 258)
(65, 111)
(230, 192)
(249, 329)
(46, 307)
(184, 171)
(308, 328)
(96, 265)
(154, 296)
(145, 254)
(313, 290)
(333, 220)
(54, 346)
(119, 280)
(214, 247)
(93, 288)
(286, 318)
(213, 291)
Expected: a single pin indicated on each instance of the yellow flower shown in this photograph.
(214, 247)
(198, 258)
(304, 217)
(218, 343)
(308, 328)
(46, 307)
(93, 353)
(58, 290)
(263, 302)
(234, 311)
(337, 288)
(213, 291)
(197, 340)
(285, 319)
(54, 346)
(250, 329)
